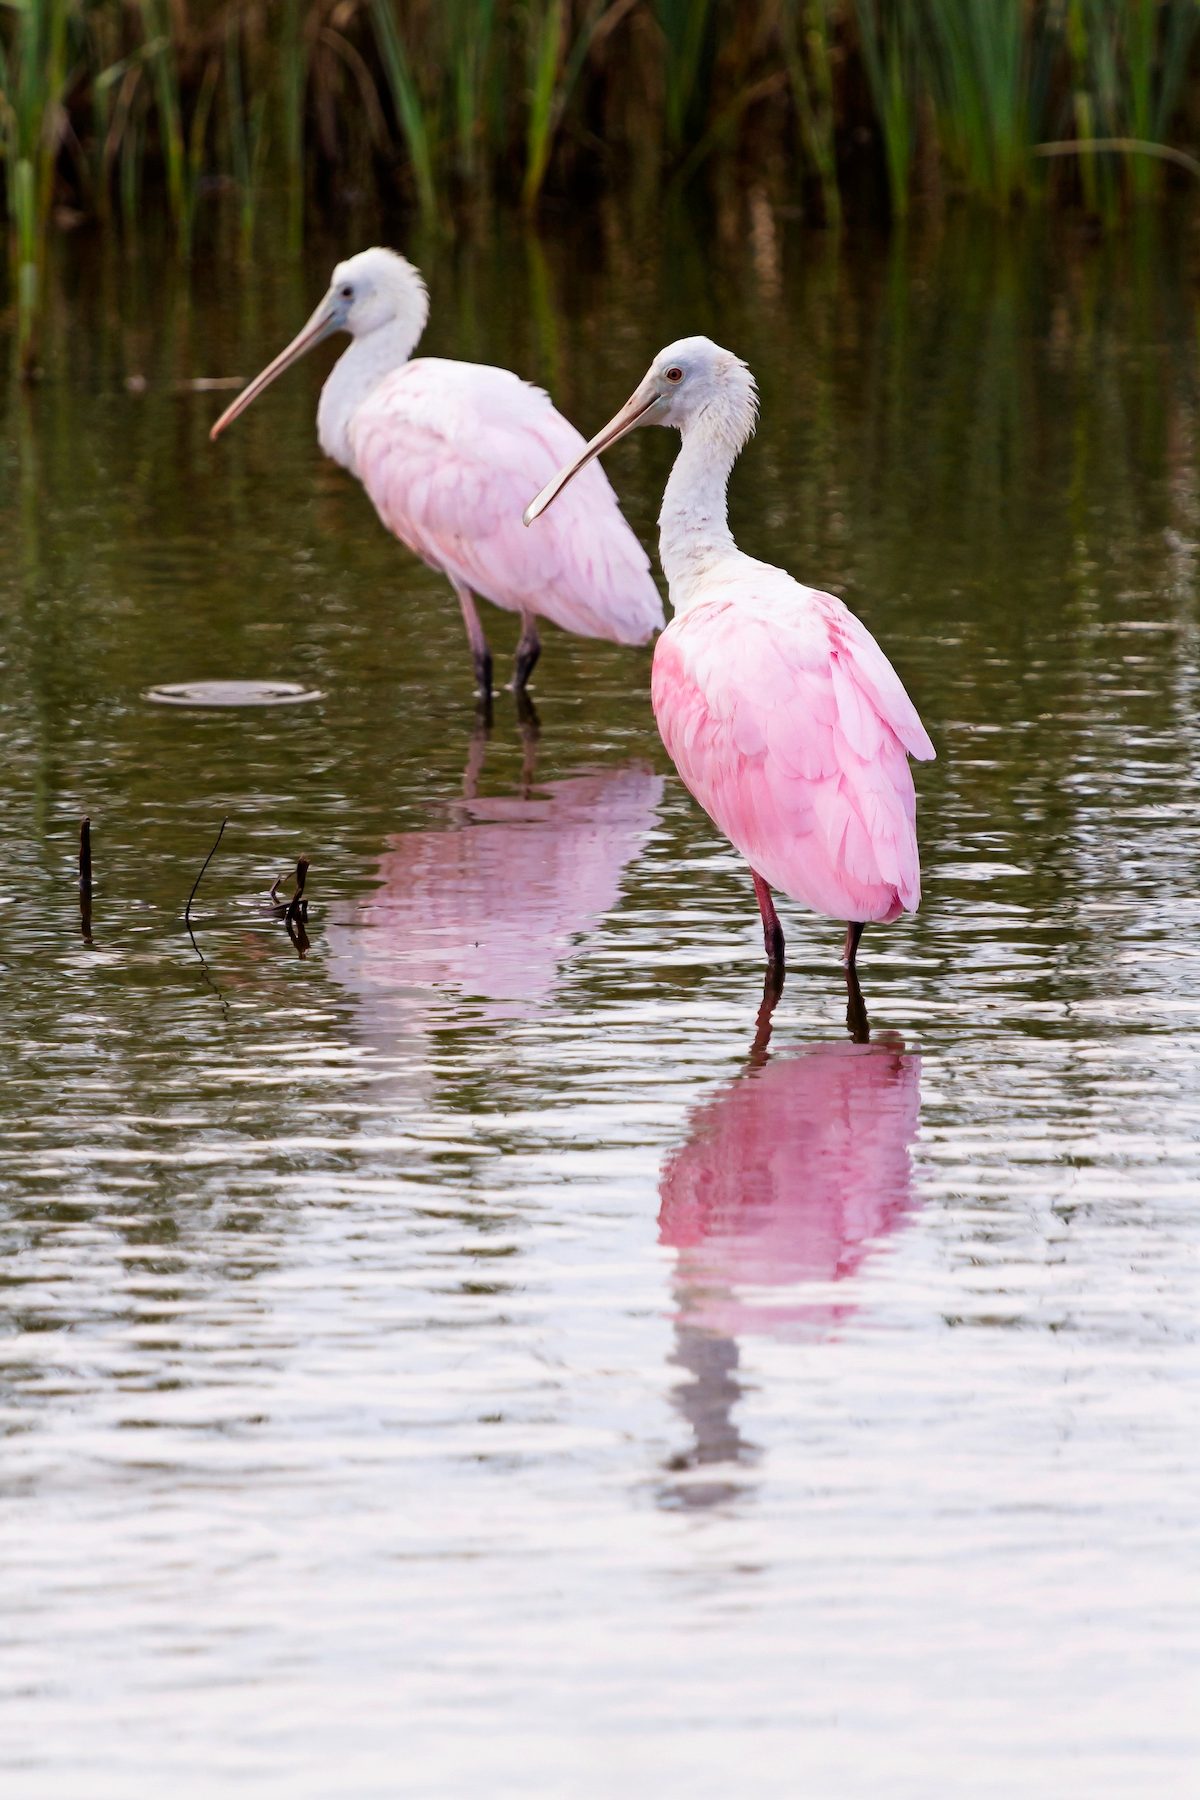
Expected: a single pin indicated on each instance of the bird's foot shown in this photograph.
(483, 677)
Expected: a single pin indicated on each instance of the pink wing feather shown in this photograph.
(451, 453)
(793, 731)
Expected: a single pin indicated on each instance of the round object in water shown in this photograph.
(232, 693)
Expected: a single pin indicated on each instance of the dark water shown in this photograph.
(451, 1361)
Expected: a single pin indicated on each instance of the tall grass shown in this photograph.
(987, 85)
(890, 40)
(806, 39)
(1131, 61)
(33, 94)
(203, 110)
(412, 114)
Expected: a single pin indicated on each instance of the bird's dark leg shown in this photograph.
(528, 651)
(772, 929)
(850, 948)
(479, 646)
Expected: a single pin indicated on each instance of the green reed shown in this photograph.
(34, 73)
(806, 37)
(987, 76)
(890, 39)
(293, 78)
(1131, 61)
(690, 36)
(245, 128)
(476, 98)
(411, 112)
(558, 50)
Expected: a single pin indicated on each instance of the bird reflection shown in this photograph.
(493, 906)
(788, 1179)
(530, 726)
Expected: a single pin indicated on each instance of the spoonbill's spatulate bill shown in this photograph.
(448, 452)
(780, 711)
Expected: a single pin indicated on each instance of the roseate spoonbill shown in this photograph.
(780, 711)
(448, 451)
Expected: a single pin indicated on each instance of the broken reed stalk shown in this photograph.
(187, 911)
(297, 905)
(297, 910)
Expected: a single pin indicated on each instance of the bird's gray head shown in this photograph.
(374, 289)
(693, 385)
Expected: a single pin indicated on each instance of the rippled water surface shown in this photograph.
(465, 1358)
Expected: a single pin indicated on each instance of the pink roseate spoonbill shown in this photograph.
(782, 714)
(448, 451)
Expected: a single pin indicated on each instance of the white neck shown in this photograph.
(693, 526)
(356, 372)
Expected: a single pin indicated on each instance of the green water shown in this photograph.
(448, 1361)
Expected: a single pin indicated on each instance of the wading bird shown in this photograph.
(448, 452)
(782, 714)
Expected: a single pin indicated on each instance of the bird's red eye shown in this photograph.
(674, 374)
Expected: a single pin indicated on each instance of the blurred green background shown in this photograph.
(210, 116)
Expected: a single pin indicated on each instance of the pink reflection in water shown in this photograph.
(493, 906)
(790, 1176)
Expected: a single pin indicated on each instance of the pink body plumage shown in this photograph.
(793, 731)
(449, 452)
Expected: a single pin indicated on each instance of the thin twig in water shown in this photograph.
(187, 911)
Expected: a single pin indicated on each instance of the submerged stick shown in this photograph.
(297, 905)
(85, 878)
(187, 911)
(297, 910)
